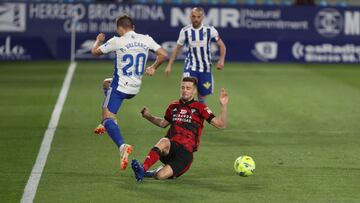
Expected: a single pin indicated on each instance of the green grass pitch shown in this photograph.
(301, 124)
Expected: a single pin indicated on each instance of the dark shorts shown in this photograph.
(178, 158)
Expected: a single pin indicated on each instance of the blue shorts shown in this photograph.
(114, 99)
(205, 81)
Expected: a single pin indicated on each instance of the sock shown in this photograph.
(113, 130)
(202, 100)
(151, 158)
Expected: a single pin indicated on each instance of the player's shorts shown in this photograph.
(114, 99)
(178, 158)
(205, 81)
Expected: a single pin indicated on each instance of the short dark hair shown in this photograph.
(125, 21)
(190, 79)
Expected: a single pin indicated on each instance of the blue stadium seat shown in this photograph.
(287, 2)
(159, 1)
(213, 1)
(250, 2)
(176, 1)
(232, 2)
(322, 3)
(268, 2)
(341, 3)
(140, 1)
(195, 1)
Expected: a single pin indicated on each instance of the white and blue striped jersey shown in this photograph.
(198, 41)
(131, 55)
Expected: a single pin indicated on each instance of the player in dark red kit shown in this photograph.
(186, 119)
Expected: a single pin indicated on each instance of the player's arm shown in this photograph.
(161, 56)
(221, 121)
(215, 35)
(155, 120)
(95, 50)
(221, 61)
(176, 51)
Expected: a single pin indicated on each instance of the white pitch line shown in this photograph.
(35, 176)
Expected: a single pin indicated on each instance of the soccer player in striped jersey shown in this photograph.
(197, 37)
(131, 55)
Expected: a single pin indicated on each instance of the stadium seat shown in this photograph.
(159, 1)
(140, 1)
(341, 3)
(214, 2)
(232, 2)
(322, 3)
(195, 1)
(250, 2)
(268, 2)
(287, 2)
(176, 1)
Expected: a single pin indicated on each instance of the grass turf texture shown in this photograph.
(299, 122)
(28, 92)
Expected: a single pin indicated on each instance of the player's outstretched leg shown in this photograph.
(114, 132)
(164, 173)
(138, 170)
(106, 85)
(152, 157)
(100, 129)
(152, 173)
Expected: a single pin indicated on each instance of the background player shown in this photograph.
(198, 58)
(131, 56)
(186, 118)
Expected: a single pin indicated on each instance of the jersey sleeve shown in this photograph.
(167, 116)
(214, 33)
(207, 114)
(109, 46)
(153, 45)
(181, 39)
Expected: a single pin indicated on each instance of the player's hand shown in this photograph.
(167, 70)
(150, 71)
(100, 37)
(145, 112)
(220, 65)
(224, 98)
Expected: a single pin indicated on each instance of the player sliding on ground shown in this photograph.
(186, 118)
(131, 55)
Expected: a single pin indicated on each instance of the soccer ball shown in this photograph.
(244, 166)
